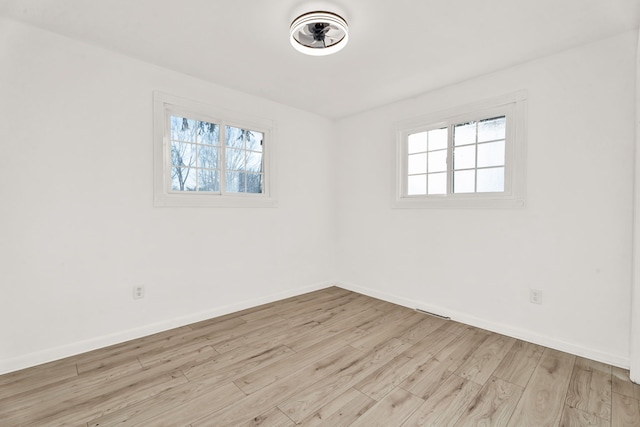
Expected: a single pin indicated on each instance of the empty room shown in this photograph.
(337, 213)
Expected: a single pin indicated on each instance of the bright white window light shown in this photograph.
(319, 33)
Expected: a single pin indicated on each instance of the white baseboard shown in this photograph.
(500, 328)
(56, 353)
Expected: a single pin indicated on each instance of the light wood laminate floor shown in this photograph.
(331, 358)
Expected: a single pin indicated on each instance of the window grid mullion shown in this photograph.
(245, 172)
(475, 164)
(450, 161)
(244, 154)
(426, 159)
(197, 147)
(222, 158)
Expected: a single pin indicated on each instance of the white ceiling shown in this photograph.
(397, 48)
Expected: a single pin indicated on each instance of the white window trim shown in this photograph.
(514, 107)
(165, 105)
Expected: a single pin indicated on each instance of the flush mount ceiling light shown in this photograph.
(319, 33)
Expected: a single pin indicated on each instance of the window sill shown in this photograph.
(459, 202)
(213, 201)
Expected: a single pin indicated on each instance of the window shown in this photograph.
(197, 152)
(473, 157)
(207, 158)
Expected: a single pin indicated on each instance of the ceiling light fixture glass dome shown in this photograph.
(319, 33)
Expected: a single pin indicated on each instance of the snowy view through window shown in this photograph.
(477, 166)
(203, 160)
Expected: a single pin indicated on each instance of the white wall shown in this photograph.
(573, 240)
(77, 224)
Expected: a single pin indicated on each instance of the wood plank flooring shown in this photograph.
(327, 358)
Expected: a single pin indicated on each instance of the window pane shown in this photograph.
(183, 154)
(254, 162)
(438, 183)
(207, 156)
(417, 184)
(417, 142)
(208, 133)
(438, 161)
(254, 140)
(235, 159)
(491, 154)
(464, 133)
(208, 180)
(463, 182)
(492, 129)
(234, 137)
(183, 179)
(417, 164)
(490, 180)
(235, 182)
(437, 139)
(254, 183)
(464, 157)
(183, 129)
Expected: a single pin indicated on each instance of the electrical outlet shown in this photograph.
(535, 296)
(138, 292)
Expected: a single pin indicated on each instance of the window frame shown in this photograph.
(165, 106)
(513, 107)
